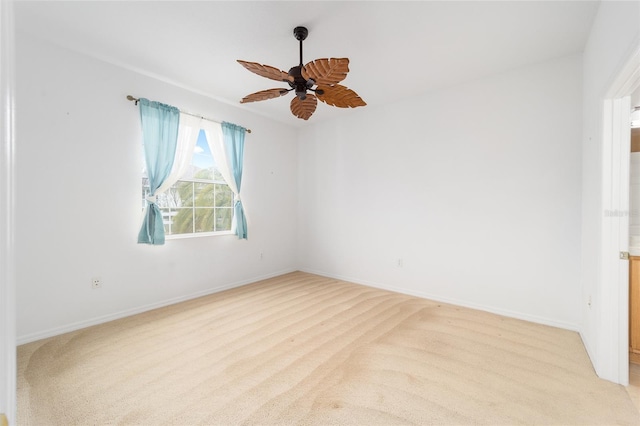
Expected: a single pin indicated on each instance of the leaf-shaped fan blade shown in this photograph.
(266, 71)
(340, 96)
(264, 95)
(326, 71)
(304, 109)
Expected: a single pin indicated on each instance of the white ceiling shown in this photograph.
(396, 49)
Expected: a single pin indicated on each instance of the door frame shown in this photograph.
(613, 324)
(7, 215)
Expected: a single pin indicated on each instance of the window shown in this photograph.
(200, 202)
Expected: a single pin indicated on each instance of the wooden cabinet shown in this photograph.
(635, 139)
(634, 309)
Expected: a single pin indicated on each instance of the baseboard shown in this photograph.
(590, 353)
(457, 302)
(55, 331)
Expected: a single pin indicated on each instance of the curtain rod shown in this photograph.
(136, 100)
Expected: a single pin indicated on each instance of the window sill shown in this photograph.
(198, 235)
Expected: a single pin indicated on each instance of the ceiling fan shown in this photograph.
(323, 73)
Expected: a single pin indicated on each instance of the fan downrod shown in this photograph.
(300, 33)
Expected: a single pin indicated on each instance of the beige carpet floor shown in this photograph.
(303, 349)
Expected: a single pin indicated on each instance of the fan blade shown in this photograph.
(304, 109)
(266, 71)
(340, 96)
(263, 95)
(326, 71)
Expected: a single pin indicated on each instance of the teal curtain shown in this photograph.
(160, 135)
(233, 138)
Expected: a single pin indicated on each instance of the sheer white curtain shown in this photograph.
(213, 131)
(187, 139)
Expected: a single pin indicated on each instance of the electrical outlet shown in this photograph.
(400, 263)
(261, 256)
(96, 283)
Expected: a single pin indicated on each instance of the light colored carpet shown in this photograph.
(303, 349)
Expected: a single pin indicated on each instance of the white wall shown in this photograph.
(475, 187)
(615, 32)
(78, 206)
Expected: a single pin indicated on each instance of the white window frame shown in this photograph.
(193, 234)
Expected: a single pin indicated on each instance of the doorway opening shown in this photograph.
(634, 250)
(614, 308)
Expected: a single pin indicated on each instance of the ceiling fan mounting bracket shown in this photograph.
(301, 33)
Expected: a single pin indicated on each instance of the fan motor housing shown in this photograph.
(299, 83)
